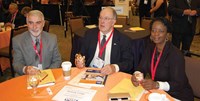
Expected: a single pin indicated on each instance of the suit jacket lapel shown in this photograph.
(115, 42)
(165, 53)
(44, 46)
(28, 46)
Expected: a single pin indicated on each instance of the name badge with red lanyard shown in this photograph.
(98, 62)
(154, 66)
(38, 54)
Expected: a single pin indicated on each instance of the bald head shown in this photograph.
(111, 10)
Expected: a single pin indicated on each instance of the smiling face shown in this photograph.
(106, 20)
(159, 33)
(35, 23)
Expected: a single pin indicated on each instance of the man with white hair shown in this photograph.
(35, 49)
(105, 47)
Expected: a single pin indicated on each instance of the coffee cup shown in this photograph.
(66, 67)
(155, 97)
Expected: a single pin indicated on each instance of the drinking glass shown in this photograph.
(33, 81)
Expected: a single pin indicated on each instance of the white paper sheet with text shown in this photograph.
(70, 93)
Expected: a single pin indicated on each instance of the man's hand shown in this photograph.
(31, 70)
(193, 13)
(79, 61)
(8, 24)
(108, 69)
(79, 64)
(187, 11)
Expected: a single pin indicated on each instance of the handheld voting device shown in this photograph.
(119, 97)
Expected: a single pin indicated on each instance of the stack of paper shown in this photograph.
(136, 28)
(91, 26)
(126, 86)
(118, 26)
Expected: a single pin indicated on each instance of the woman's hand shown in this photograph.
(135, 82)
(149, 84)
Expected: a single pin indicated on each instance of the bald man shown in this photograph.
(14, 18)
(112, 56)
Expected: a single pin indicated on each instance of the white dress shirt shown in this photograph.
(107, 59)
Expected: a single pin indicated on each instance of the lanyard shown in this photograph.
(101, 49)
(154, 67)
(13, 17)
(36, 51)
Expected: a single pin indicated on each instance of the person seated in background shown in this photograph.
(25, 10)
(35, 49)
(14, 19)
(105, 47)
(164, 63)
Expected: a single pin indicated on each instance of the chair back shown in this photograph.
(76, 23)
(192, 68)
(46, 26)
(14, 32)
(121, 20)
(146, 22)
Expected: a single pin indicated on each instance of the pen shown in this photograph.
(44, 77)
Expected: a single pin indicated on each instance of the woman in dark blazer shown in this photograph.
(164, 63)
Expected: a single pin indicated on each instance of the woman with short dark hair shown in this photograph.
(164, 63)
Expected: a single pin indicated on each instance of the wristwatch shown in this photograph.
(157, 85)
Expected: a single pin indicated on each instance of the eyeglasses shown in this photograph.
(105, 19)
(157, 31)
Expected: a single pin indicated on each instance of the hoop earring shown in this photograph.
(166, 39)
(151, 38)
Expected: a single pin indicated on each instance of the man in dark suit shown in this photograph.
(14, 18)
(184, 14)
(114, 54)
(35, 49)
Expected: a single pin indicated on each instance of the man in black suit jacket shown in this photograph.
(117, 49)
(14, 18)
(184, 14)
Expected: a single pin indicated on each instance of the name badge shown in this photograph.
(145, 2)
(97, 63)
(40, 67)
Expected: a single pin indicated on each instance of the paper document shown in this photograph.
(91, 26)
(118, 26)
(136, 28)
(76, 79)
(125, 86)
(70, 93)
(93, 77)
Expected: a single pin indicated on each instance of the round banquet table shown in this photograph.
(4, 42)
(16, 89)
